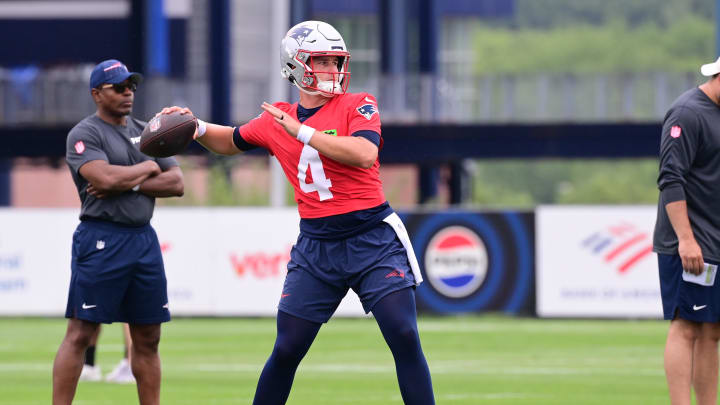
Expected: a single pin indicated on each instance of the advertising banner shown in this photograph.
(35, 260)
(230, 261)
(595, 261)
(218, 261)
(474, 261)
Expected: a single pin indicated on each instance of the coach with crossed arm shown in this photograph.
(687, 239)
(117, 268)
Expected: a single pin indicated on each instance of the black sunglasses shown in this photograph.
(120, 87)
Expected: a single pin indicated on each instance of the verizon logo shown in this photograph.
(260, 265)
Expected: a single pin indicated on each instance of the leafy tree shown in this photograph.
(526, 183)
(613, 48)
(219, 187)
(547, 14)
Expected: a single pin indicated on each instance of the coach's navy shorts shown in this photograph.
(689, 301)
(117, 275)
(374, 264)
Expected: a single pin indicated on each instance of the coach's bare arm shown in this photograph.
(688, 248)
(166, 184)
(105, 177)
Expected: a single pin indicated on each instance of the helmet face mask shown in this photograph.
(298, 50)
(336, 84)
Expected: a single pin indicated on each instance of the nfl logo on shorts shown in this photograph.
(456, 262)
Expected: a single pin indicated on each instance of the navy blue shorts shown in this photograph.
(688, 301)
(320, 272)
(117, 275)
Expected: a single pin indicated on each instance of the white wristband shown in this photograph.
(305, 133)
(202, 127)
(136, 188)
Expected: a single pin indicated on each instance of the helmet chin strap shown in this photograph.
(306, 91)
(323, 85)
(329, 86)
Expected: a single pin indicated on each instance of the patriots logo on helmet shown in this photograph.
(367, 110)
(299, 34)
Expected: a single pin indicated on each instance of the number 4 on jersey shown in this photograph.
(321, 184)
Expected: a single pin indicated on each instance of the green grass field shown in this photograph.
(473, 360)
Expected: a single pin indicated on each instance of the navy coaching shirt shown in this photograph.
(690, 171)
(94, 139)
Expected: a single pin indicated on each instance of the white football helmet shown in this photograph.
(301, 44)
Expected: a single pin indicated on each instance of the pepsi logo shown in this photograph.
(456, 261)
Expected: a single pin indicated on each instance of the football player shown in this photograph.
(350, 237)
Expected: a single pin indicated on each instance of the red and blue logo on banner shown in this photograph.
(456, 261)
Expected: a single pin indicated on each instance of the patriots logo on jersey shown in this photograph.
(300, 33)
(367, 110)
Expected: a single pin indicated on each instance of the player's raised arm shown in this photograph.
(350, 150)
(217, 138)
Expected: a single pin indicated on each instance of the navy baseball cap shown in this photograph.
(112, 71)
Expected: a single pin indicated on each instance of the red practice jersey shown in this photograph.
(323, 186)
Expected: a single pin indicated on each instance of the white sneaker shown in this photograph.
(90, 373)
(121, 374)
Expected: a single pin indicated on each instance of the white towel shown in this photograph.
(396, 223)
